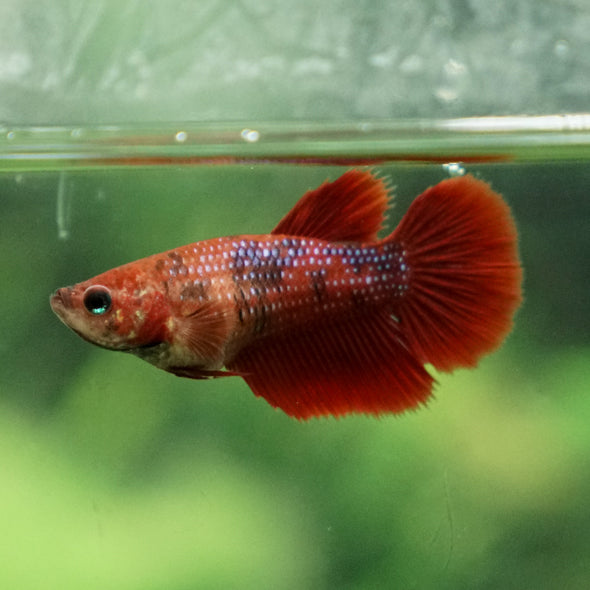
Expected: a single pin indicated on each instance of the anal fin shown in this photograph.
(358, 365)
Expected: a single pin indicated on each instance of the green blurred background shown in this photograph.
(116, 475)
(121, 476)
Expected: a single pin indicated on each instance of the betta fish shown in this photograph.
(321, 316)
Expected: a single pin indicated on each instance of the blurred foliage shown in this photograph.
(121, 476)
(126, 61)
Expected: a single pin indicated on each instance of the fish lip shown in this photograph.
(61, 299)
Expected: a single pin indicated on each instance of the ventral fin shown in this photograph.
(359, 365)
(351, 208)
(197, 373)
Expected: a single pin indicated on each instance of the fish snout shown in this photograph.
(61, 299)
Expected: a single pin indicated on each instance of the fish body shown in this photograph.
(321, 317)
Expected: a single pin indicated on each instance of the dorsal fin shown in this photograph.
(349, 209)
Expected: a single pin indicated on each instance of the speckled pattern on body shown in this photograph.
(276, 284)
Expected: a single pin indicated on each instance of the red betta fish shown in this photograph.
(321, 317)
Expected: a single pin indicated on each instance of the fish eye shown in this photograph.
(97, 300)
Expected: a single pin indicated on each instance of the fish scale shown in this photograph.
(277, 284)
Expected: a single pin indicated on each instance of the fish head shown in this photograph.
(131, 309)
(118, 310)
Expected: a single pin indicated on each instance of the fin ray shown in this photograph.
(351, 208)
(359, 365)
(466, 277)
(204, 331)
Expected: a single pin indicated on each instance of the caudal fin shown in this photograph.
(465, 285)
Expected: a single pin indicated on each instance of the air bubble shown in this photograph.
(181, 136)
(454, 169)
(250, 135)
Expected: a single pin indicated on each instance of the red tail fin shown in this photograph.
(466, 277)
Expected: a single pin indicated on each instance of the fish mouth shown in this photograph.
(61, 300)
